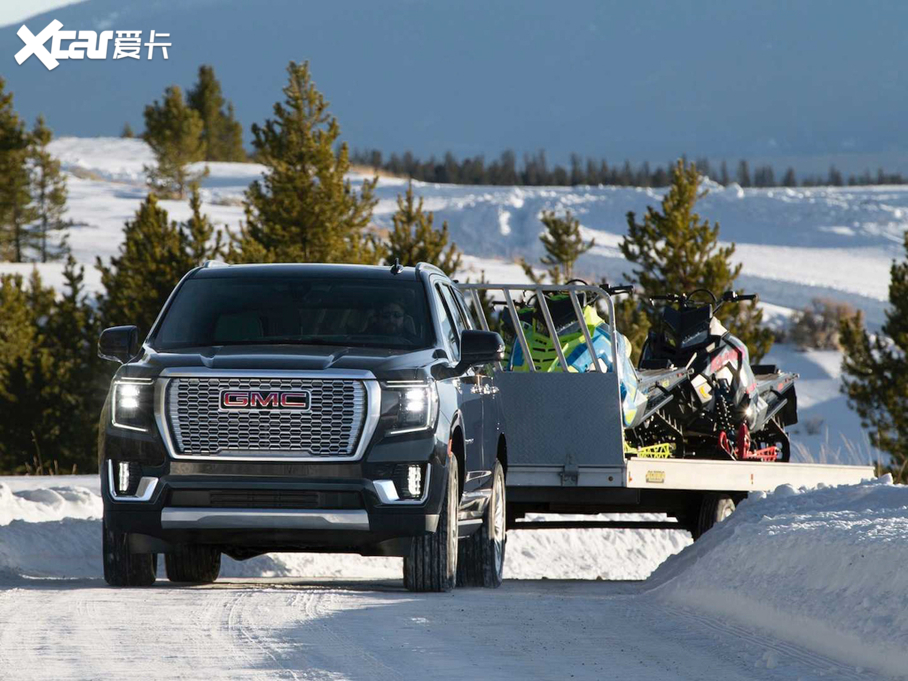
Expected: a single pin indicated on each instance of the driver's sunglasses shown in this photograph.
(388, 314)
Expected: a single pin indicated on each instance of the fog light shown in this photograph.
(408, 480)
(414, 481)
(128, 475)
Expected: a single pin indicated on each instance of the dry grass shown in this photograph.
(369, 170)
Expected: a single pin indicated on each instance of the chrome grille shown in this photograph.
(330, 428)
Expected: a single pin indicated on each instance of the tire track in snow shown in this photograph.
(787, 651)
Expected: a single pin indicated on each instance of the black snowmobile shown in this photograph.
(727, 408)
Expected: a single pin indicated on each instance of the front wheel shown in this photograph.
(193, 564)
(122, 568)
(481, 560)
(432, 563)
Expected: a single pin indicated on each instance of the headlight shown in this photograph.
(409, 406)
(131, 404)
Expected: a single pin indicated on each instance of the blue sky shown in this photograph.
(806, 83)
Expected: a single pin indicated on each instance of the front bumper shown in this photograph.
(249, 509)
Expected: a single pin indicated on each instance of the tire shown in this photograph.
(432, 563)
(122, 568)
(714, 508)
(481, 559)
(193, 564)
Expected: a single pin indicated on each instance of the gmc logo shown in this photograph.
(264, 399)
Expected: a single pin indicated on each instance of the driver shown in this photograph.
(390, 320)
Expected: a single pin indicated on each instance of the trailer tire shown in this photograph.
(193, 564)
(481, 559)
(432, 563)
(121, 567)
(714, 508)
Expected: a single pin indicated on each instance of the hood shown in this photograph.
(383, 362)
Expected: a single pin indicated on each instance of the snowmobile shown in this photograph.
(727, 408)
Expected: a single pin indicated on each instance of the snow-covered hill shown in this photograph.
(795, 244)
(823, 569)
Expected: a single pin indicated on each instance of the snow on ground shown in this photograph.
(795, 584)
(823, 569)
(35, 511)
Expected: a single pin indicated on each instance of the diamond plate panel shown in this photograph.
(331, 427)
(563, 419)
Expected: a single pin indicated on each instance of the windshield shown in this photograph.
(297, 310)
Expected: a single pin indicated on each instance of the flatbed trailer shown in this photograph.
(566, 448)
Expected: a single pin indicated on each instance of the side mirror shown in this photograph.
(479, 347)
(119, 343)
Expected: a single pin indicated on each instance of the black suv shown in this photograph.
(337, 408)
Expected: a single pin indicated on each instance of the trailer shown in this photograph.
(566, 447)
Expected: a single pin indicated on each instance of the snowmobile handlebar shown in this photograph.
(615, 290)
(670, 297)
(733, 296)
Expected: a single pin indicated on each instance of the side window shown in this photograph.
(455, 309)
(465, 309)
(448, 325)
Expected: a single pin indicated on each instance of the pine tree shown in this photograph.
(154, 256)
(28, 377)
(16, 209)
(82, 376)
(743, 174)
(414, 238)
(303, 209)
(674, 251)
(724, 179)
(49, 192)
(174, 133)
(789, 179)
(199, 232)
(563, 245)
(127, 132)
(875, 372)
(222, 134)
(52, 383)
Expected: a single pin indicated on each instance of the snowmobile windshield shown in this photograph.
(297, 310)
(687, 327)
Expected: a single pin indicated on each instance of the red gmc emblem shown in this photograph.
(265, 399)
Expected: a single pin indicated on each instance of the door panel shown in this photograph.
(469, 396)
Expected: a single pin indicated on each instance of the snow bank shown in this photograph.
(50, 527)
(824, 569)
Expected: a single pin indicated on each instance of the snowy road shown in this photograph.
(287, 629)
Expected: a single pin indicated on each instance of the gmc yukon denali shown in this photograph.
(300, 407)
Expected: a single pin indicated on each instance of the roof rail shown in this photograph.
(429, 266)
(214, 263)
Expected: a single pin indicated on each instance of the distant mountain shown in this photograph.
(810, 83)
